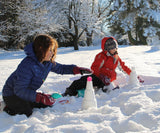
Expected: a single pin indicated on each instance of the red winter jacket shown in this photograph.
(105, 64)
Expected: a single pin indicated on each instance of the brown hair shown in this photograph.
(41, 45)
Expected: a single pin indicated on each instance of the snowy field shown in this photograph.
(127, 110)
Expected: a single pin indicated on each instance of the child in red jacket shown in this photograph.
(103, 68)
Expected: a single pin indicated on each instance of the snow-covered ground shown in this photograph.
(129, 109)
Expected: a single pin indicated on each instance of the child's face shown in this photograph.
(112, 51)
(49, 54)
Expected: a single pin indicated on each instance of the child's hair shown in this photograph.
(41, 44)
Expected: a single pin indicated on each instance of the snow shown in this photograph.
(125, 110)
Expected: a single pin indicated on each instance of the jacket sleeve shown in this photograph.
(23, 79)
(97, 64)
(62, 69)
(123, 67)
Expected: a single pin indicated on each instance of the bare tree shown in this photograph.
(77, 17)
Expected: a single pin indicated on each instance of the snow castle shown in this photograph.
(89, 99)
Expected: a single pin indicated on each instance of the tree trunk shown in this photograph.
(140, 31)
(143, 39)
(89, 38)
(140, 39)
(131, 40)
(69, 20)
(75, 38)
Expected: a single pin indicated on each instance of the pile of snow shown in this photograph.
(155, 43)
(133, 80)
(132, 108)
(89, 100)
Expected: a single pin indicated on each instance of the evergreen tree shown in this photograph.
(136, 18)
(9, 23)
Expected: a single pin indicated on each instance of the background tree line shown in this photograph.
(78, 22)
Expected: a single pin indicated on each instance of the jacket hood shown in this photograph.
(29, 51)
(104, 41)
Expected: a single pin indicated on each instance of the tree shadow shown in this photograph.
(153, 49)
(7, 55)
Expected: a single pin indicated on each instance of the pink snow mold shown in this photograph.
(89, 78)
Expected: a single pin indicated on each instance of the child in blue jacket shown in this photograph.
(19, 92)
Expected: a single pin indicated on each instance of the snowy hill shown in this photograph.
(129, 109)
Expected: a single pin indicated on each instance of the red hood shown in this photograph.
(104, 40)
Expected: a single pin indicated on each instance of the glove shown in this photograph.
(81, 70)
(110, 87)
(46, 99)
(105, 79)
(140, 79)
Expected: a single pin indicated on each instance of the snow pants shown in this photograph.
(81, 84)
(16, 105)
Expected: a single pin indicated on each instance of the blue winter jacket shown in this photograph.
(30, 75)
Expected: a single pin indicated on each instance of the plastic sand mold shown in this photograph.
(56, 95)
(81, 93)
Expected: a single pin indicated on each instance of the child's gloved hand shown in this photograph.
(81, 70)
(105, 79)
(140, 79)
(134, 77)
(46, 99)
